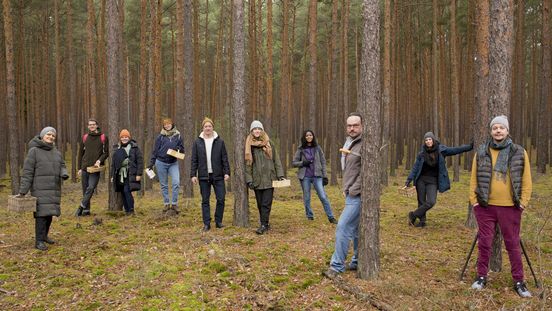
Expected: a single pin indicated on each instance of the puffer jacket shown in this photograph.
(43, 171)
(264, 170)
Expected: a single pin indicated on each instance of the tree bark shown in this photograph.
(386, 89)
(501, 49)
(455, 87)
(369, 244)
(189, 77)
(11, 105)
(313, 8)
(241, 205)
(545, 100)
(113, 87)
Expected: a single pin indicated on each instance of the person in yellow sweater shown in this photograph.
(500, 189)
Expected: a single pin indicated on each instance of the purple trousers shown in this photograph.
(509, 221)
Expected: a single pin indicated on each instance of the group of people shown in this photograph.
(500, 186)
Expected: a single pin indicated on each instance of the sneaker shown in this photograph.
(206, 227)
(261, 230)
(411, 218)
(49, 241)
(219, 225)
(330, 273)
(40, 245)
(521, 289)
(479, 283)
(332, 220)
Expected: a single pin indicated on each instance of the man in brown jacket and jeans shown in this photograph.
(347, 226)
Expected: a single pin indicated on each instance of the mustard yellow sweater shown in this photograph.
(500, 192)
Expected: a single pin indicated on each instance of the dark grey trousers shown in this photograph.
(426, 189)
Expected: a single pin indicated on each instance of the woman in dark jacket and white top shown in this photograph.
(310, 160)
(210, 165)
(167, 165)
(127, 165)
(43, 171)
(430, 174)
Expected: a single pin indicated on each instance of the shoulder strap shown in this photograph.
(102, 138)
(84, 137)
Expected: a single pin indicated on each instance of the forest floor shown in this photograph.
(150, 262)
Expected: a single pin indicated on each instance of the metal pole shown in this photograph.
(468, 258)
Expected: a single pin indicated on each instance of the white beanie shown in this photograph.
(502, 119)
(256, 124)
(47, 130)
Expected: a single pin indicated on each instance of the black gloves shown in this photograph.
(20, 195)
(325, 181)
(150, 167)
(65, 177)
(407, 183)
(250, 185)
(306, 163)
(281, 178)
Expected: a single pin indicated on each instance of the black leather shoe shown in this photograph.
(411, 218)
(421, 224)
(78, 212)
(262, 229)
(49, 241)
(219, 225)
(206, 228)
(332, 220)
(41, 246)
(85, 213)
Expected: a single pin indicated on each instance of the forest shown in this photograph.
(408, 66)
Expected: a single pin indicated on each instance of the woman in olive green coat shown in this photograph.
(262, 167)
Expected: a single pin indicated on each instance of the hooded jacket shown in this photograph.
(42, 174)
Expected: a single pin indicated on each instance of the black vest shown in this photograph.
(516, 163)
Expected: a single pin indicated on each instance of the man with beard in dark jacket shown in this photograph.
(94, 150)
(210, 165)
(43, 170)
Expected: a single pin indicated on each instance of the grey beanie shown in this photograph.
(430, 135)
(46, 130)
(256, 124)
(502, 119)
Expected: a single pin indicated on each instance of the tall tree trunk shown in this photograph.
(334, 162)
(270, 65)
(241, 205)
(189, 59)
(11, 105)
(386, 89)
(501, 49)
(369, 245)
(481, 109)
(72, 77)
(455, 85)
(435, 68)
(113, 87)
(545, 100)
(91, 40)
(313, 8)
(59, 91)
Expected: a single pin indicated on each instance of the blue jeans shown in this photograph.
(89, 183)
(347, 230)
(164, 170)
(319, 187)
(220, 191)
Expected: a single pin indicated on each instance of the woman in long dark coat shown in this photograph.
(43, 171)
(127, 165)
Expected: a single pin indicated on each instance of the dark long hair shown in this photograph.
(304, 143)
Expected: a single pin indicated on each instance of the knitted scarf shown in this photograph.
(430, 155)
(501, 165)
(171, 132)
(263, 142)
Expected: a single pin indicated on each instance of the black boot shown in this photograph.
(411, 218)
(262, 229)
(41, 246)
